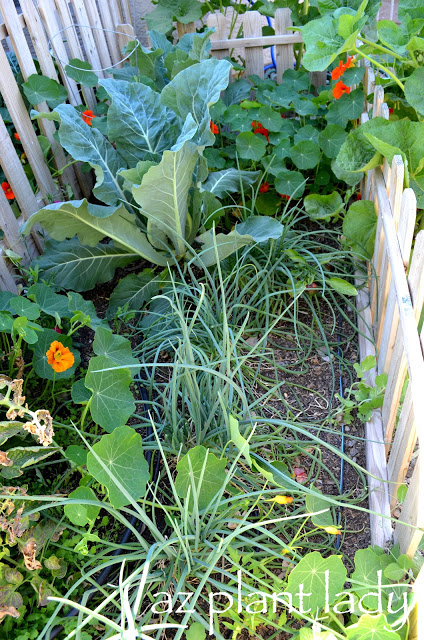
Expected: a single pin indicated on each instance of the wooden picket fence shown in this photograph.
(389, 310)
(46, 30)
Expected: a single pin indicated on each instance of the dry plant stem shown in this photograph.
(40, 423)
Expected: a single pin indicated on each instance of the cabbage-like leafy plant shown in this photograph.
(151, 175)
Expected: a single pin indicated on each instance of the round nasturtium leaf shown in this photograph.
(322, 207)
(290, 183)
(307, 132)
(331, 139)
(201, 472)
(270, 119)
(311, 573)
(305, 154)
(251, 146)
(121, 452)
(78, 512)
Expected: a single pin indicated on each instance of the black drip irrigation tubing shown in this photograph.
(127, 532)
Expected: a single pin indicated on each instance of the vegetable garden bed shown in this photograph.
(219, 434)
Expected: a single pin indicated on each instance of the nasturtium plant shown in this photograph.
(201, 476)
(311, 571)
(118, 463)
(359, 227)
(79, 513)
(323, 207)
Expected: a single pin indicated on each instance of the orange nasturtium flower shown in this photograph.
(340, 89)
(337, 73)
(281, 499)
(59, 357)
(259, 128)
(16, 136)
(264, 187)
(214, 128)
(87, 116)
(7, 190)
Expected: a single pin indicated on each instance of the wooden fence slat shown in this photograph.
(87, 36)
(283, 52)
(402, 447)
(384, 273)
(98, 33)
(125, 34)
(391, 321)
(254, 56)
(73, 44)
(257, 41)
(182, 29)
(398, 368)
(116, 13)
(10, 228)
(15, 175)
(413, 351)
(381, 530)
(7, 283)
(17, 110)
(413, 513)
(110, 27)
(48, 12)
(27, 66)
(218, 21)
(126, 12)
(38, 38)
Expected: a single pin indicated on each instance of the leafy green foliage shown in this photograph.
(359, 227)
(81, 72)
(79, 513)
(311, 572)
(320, 207)
(200, 476)
(39, 89)
(112, 402)
(118, 463)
